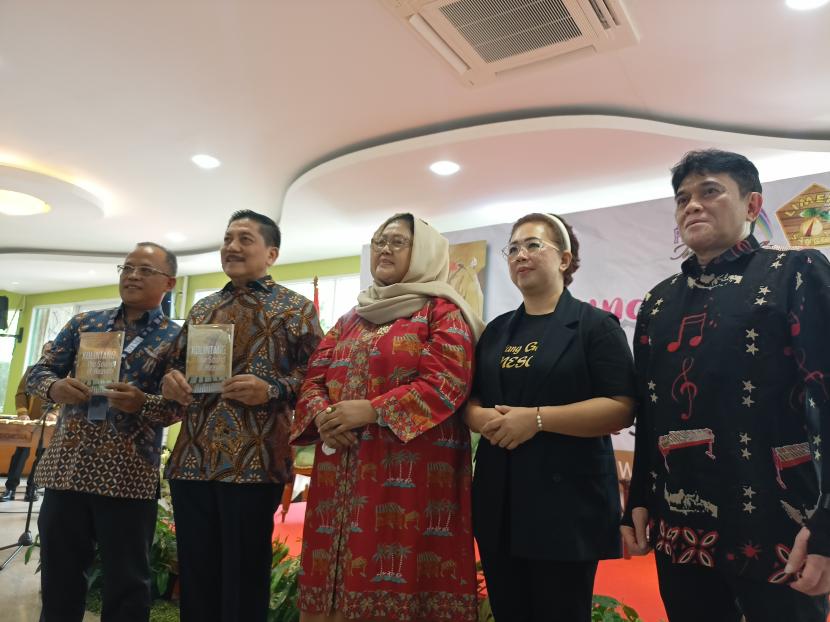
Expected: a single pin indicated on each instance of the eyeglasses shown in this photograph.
(531, 247)
(142, 271)
(395, 243)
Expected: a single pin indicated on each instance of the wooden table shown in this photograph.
(15, 433)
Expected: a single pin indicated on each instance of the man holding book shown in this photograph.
(235, 371)
(101, 470)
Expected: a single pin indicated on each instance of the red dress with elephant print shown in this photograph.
(387, 529)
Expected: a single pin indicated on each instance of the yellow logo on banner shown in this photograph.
(805, 218)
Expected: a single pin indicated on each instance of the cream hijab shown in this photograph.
(429, 267)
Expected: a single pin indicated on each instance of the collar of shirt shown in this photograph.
(745, 247)
(265, 284)
(143, 320)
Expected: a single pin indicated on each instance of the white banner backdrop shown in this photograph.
(624, 251)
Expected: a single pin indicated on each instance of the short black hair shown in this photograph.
(169, 256)
(714, 161)
(268, 228)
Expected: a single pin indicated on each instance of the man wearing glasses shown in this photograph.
(101, 473)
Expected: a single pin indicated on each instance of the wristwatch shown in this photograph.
(274, 392)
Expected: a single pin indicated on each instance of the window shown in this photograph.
(7, 345)
(337, 294)
(47, 320)
(201, 293)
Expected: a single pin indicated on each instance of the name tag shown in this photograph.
(133, 344)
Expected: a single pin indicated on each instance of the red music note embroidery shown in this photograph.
(698, 319)
(815, 377)
(687, 389)
(795, 324)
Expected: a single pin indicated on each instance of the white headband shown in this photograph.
(560, 227)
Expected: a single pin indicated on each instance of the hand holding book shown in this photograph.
(125, 397)
(69, 391)
(246, 388)
(174, 386)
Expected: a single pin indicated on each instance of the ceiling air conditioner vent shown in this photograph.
(484, 38)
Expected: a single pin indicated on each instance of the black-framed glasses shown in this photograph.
(142, 271)
(395, 243)
(531, 246)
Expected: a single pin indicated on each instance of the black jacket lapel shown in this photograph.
(560, 331)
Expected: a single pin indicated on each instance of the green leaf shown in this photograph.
(630, 614)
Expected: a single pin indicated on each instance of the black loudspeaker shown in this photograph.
(4, 312)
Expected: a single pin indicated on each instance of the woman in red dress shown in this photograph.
(387, 532)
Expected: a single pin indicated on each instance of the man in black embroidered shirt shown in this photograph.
(733, 375)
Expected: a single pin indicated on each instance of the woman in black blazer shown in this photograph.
(553, 379)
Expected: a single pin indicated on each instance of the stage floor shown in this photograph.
(632, 581)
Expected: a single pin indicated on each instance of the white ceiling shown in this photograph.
(325, 115)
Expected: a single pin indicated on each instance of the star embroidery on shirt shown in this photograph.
(651, 385)
(745, 438)
(655, 311)
(760, 301)
(653, 475)
(775, 264)
(654, 488)
(746, 454)
(748, 386)
(763, 290)
(748, 401)
(798, 280)
(812, 402)
(751, 334)
(748, 492)
(748, 507)
(781, 255)
(751, 349)
(653, 398)
(817, 454)
(817, 440)
(659, 301)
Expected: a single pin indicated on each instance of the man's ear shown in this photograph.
(753, 208)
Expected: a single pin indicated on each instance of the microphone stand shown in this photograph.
(25, 538)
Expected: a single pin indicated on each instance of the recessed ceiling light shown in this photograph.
(203, 160)
(806, 5)
(444, 167)
(18, 204)
(175, 236)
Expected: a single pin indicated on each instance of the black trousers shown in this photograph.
(16, 465)
(70, 525)
(692, 593)
(530, 590)
(223, 535)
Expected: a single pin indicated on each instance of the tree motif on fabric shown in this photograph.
(399, 459)
(435, 512)
(385, 556)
